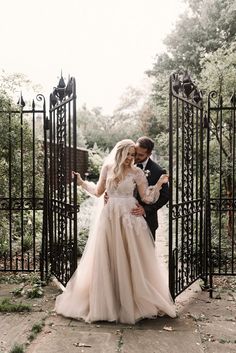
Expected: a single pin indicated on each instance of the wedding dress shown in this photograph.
(119, 277)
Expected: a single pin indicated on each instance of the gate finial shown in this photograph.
(188, 86)
(233, 99)
(21, 101)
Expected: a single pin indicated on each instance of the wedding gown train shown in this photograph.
(119, 277)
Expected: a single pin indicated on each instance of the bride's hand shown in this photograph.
(79, 179)
(164, 178)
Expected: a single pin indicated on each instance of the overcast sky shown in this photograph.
(105, 44)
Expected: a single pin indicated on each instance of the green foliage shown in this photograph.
(27, 243)
(81, 140)
(35, 292)
(84, 221)
(81, 196)
(203, 42)
(18, 292)
(16, 136)
(31, 288)
(125, 122)
(209, 25)
(82, 240)
(19, 278)
(203, 29)
(95, 161)
(219, 71)
(4, 243)
(37, 328)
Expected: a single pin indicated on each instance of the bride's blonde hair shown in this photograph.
(122, 149)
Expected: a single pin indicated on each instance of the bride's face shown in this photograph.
(130, 157)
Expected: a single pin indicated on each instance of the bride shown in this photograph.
(119, 277)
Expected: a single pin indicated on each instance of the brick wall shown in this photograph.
(81, 161)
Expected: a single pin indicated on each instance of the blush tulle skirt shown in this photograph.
(119, 277)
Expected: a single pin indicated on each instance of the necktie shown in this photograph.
(139, 165)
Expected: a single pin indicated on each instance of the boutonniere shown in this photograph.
(147, 173)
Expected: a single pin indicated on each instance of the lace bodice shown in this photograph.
(126, 187)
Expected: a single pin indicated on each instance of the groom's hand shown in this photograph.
(138, 210)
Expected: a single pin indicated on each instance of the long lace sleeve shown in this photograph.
(99, 188)
(148, 194)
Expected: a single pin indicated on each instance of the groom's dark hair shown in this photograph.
(146, 142)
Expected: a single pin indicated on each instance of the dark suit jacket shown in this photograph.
(151, 210)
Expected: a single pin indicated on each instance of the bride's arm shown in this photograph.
(92, 188)
(149, 194)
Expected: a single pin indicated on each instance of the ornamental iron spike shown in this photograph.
(69, 87)
(197, 95)
(21, 101)
(233, 99)
(61, 83)
(188, 86)
(176, 83)
(53, 98)
(59, 91)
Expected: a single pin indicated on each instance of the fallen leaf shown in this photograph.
(80, 344)
(168, 328)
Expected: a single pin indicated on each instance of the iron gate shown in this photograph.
(202, 186)
(186, 206)
(221, 195)
(60, 222)
(21, 184)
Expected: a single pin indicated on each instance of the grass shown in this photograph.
(18, 348)
(7, 307)
(35, 330)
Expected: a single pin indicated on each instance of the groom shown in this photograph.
(153, 171)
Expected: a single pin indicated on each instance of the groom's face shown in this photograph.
(141, 154)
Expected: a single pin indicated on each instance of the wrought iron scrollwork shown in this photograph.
(184, 87)
(186, 209)
(62, 91)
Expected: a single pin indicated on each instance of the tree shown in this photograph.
(13, 83)
(219, 74)
(219, 71)
(125, 122)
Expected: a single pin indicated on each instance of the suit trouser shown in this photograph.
(153, 231)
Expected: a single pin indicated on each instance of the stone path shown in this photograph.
(204, 324)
